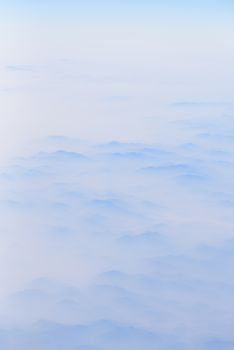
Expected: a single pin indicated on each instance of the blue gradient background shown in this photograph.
(116, 175)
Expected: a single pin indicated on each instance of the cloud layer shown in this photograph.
(119, 245)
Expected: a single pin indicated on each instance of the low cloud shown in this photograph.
(117, 245)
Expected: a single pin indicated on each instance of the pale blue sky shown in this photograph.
(116, 175)
(72, 58)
